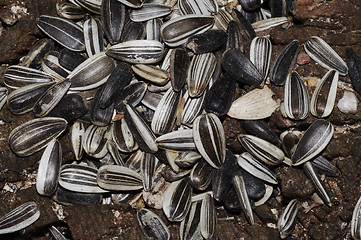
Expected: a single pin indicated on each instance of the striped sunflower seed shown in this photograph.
(76, 134)
(296, 104)
(95, 139)
(50, 64)
(193, 107)
(209, 139)
(152, 225)
(152, 29)
(79, 178)
(208, 219)
(180, 140)
(240, 187)
(51, 98)
(355, 222)
(190, 227)
(19, 218)
(69, 11)
(148, 166)
(324, 55)
(261, 149)
(17, 76)
(324, 96)
(137, 51)
(256, 168)
(177, 200)
(315, 139)
(284, 63)
(152, 73)
(286, 222)
(22, 100)
(93, 36)
(36, 53)
(175, 32)
(134, 31)
(200, 72)
(113, 16)
(260, 54)
(91, 73)
(35, 134)
(166, 112)
(201, 175)
(63, 31)
(193, 7)
(149, 11)
(90, 5)
(49, 168)
(118, 178)
(234, 36)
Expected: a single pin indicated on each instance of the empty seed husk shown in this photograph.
(286, 222)
(149, 11)
(152, 225)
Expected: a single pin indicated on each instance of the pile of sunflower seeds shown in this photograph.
(141, 89)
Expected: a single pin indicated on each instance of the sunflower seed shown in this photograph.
(201, 175)
(70, 107)
(123, 137)
(64, 32)
(76, 134)
(69, 59)
(244, 24)
(35, 134)
(193, 7)
(324, 55)
(208, 219)
(166, 112)
(171, 176)
(93, 36)
(260, 54)
(208, 41)
(219, 97)
(256, 104)
(114, 153)
(180, 140)
(200, 72)
(142, 133)
(284, 63)
(193, 107)
(296, 103)
(175, 32)
(234, 36)
(354, 69)
(64, 196)
(69, 11)
(100, 116)
(94, 141)
(269, 23)
(17, 76)
(151, 99)
(312, 175)
(49, 168)
(236, 64)
(209, 139)
(152, 225)
(179, 64)
(149, 11)
(132, 94)
(148, 166)
(90, 5)
(152, 28)
(51, 98)
(315, 139)
(190, 226)
(50, 64)
(256, 168)
(279, 8)
(56, 233)
(240, 187)
(132, 3)
(19, 218)
(36, 53)
(177, 200)
(250, 5)
(355, 222)
(92, 73)
(134, 31)
(79, 178)
(187, 159)
(325, 166)
(222, 19)
(324, 96)
(286, 222)
(261, 129)
(152, 73)
(113, 16)
(118, 178)
(261, 149)
(137, 51)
